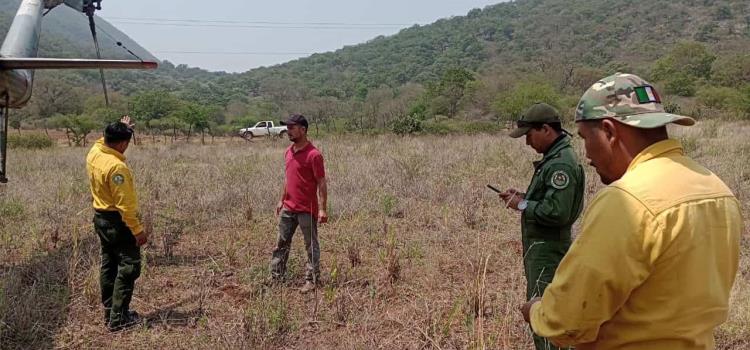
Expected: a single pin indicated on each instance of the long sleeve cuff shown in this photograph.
(530, 210)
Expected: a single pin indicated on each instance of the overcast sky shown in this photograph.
(237, 35)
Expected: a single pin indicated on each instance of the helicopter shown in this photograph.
(18, 60)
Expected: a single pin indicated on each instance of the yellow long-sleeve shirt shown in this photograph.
(654, 263)
(112, 184)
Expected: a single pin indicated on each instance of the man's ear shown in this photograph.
(610, 131)
(548, 129)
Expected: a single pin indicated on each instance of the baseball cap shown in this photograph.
(538, 114)
(295, 119)
(628, 99)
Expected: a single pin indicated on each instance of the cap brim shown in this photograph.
(655, 120)
(518, 132)
(286, 122)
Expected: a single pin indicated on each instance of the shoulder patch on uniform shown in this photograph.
(118, 179)
(560, 179)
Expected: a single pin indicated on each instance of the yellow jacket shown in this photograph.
(112, 184)
(654, 263)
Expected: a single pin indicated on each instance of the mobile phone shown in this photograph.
(493, 188)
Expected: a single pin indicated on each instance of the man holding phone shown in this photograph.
(551, 204)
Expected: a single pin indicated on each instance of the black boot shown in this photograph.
(107, 311)
(129, 319)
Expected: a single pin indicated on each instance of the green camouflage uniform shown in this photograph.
(554, 200)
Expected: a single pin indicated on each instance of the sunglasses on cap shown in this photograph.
(525, 124)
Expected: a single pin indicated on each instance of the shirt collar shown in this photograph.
(560, 142)
(108, 150)
(291, 147)
(558, 145)
(659, 149)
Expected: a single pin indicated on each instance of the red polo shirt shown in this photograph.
(303, 170)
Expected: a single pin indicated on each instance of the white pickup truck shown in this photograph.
(264, 128)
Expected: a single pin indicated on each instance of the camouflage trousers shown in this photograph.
(120, 267)
(288, 224)
(541, 258)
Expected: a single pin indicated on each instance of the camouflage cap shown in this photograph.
(628, 99)
(538, 113)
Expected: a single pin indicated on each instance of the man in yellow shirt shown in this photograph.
(116, 223)
(655, 260)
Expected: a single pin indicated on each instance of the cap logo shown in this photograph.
(646, 94)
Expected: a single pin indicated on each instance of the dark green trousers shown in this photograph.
(288, 223)
(540, 261)
(121, 264)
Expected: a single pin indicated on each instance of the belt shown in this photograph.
(107, 213)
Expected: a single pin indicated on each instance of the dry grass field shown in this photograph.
(418, 253)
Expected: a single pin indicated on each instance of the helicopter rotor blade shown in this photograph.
(7, 63)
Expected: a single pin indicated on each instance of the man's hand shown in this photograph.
(127, 121)
(512, 197)
(279, 207)
(322, 216)
(141, 238)
(526, 309)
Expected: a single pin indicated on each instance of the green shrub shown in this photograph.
(680, 84)
(718, 97)
(408, 124)
(742, 104)
(477, 127)
(30, 141)
(510, 105)
(436, 127)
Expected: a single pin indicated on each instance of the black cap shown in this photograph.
(295, 119)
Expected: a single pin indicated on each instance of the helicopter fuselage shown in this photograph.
(21, 40)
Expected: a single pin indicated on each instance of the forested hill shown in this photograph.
(486, 65)
(527, 35)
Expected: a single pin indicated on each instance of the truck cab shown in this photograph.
(264, 128)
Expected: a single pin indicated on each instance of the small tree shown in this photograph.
(691, 59)
(77, 127)
(154, 104)
(446, 95)
(194, 116)
(511, 104)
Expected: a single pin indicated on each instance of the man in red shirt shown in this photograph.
(299, 206)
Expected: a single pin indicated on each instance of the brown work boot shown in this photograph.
(308, 287)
